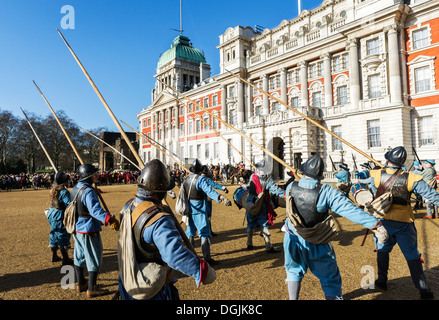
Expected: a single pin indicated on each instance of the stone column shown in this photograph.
(249, 101)
(283, 88)
(394, 65)
(327, 75)
(223, 103)
(354, 74)
(303, 84)
(265, 103)
(240, 111)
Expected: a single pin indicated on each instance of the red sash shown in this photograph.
(271, 213)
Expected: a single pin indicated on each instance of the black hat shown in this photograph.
(204, 169)
(366, 165)
(60, 178)
(155, 177)
(313, 167)
(396, 156)
(86, 170)
(196, 166)
(344, 166)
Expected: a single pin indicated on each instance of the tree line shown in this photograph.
(20, 150)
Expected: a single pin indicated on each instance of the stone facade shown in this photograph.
(366, 70)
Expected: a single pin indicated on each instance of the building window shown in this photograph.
(215, 123)
(294, 102)
(206, 151)
(182, 152)
(191, 107)
(215, 100)
(422, 79)
(373, 133)
(274, 82)
(315, 70)
(421, 38)
(199, 151)
(374, 86)
(232, 92)
(197, 125)
(191, 151)
(342, 95)
(293, 76)
(190, 126)
(149, 122)
(373, 46)
(182, 129)
(340, 62)
(336, 143)
(275, 106)
(258, 110)
(317, 99)
(206, 102)
(426, 130)
(206, 123)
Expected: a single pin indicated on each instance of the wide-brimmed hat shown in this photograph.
(430, 161)
(344, 166)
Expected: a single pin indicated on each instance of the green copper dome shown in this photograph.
(181, 49)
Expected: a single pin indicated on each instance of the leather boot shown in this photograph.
(54, 257)
(418, 278)
(383, 268)
(65, 257)
(93, 289)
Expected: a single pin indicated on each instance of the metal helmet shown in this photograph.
(86, 170)
(313, 167)
(196, 166)
(155, 177)
(396, 156)
(60, 178)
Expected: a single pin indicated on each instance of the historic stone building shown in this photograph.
(364, 69)
(109, 159)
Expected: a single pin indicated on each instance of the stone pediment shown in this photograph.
(163, 99)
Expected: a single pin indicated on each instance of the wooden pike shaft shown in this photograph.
(73, 147)
(41, 144)
(158, 148)
(234, 129)
(99, 139)
(219, 135)
(60, 124)
(127, 140)
(310, 120)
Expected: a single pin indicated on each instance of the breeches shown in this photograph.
(301, 255)
(404, 234)
(88, 251)
(200, 222)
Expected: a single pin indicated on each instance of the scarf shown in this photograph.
(270, 210)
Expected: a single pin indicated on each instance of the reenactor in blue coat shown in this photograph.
(59, 237)
(199, 189)
(157, 239)
(88, 251)
(309, 229)
(399, 219)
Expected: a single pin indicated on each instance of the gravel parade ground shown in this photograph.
(26, 272)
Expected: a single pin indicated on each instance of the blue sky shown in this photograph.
(119, 43)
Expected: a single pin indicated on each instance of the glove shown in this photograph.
(225, 190)
(224, 200)
(381, 234)
(210, 276)
(114, 223)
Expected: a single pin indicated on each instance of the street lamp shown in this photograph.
(342, 152)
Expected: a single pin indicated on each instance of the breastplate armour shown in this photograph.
(306, 204)
(400, 193)
(193, 193)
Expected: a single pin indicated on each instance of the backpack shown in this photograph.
(71, 213)
(182, 202)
